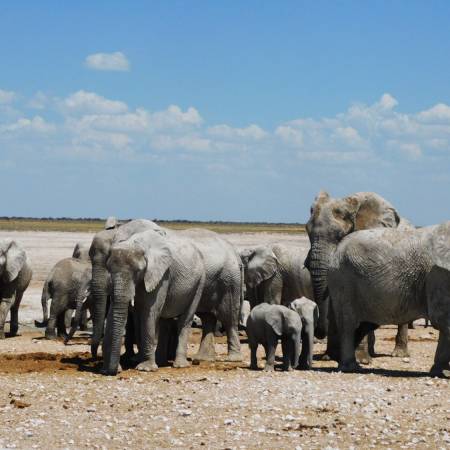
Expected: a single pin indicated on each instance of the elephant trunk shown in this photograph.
(123, 292)
(99, 291)
(318, 262)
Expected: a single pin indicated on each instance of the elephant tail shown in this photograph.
(46, 296)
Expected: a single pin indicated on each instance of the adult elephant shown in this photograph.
(379, 277)
(163, 274)
(15, 276)
(331, 220)
(99, 253)
(277, 273)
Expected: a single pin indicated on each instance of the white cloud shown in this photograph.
(174, 117)
(6, 97)
(290, 135)
(252, 132)
(37, 124)
(116, 61)
(188, 142)
(387, 102)
(439, 112)
(39, 101)
(90, 102)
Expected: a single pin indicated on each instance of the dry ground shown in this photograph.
(52, 396)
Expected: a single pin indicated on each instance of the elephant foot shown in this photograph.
(349, 367)
(400, 352)
(13, 332)
(2, 335)
(94, 351)
(269, 368)
(363, 358)
(254, 367)
(147, 366)
(288, 368)
(304, 366)
(50, 334)
(205, 356)
(181, 363)
(234, 357)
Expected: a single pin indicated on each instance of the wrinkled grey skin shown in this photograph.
(101, 281)
(15, 276)
(165, 275)
(267, 324)
(278, 271)
(379, 277)
(331, 220)
(68, 285)
(309, 314)
(219, 298)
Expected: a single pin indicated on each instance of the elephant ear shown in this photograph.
(276, 322)
(369, 210)
(262, 265)
(111, 222)
(159, 259)
(440, 246)
(15, 259)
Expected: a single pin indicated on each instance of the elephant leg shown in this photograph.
(61, 325)
(167, 341)
(332, 351)
(14, 322)
(68, 318)
(206, 351)
(5, 306)
(253, 359)
(442, 355)
(270, 347)
(287, 347)
(84, 320)
(231, 324)
(184, 326)
(346, 326)
(363, 342)
(401, 342)
(57, 309)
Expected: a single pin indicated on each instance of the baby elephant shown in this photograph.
(268, 323)
(309, 314)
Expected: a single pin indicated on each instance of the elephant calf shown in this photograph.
(309, 314)
(267, 324)
(15, 276)
(68, 285)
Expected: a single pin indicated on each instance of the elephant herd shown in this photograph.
(366, 266)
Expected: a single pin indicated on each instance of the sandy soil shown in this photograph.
(52, 396)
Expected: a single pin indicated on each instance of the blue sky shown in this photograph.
(223, 110)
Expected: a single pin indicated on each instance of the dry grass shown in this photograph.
(94, 225)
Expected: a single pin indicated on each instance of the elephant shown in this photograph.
(165, 276)
(68, 285)
(330, 221)
(277, 273)
(99, 253)
(309, 314)
(15, 276)
(385, 276)
(220, 295)
(245, 312)
(266, 324)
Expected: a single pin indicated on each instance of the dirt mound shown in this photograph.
(43, 362)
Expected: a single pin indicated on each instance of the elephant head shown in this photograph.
(260, 264)
(333, 219)
(142, 260)
(12, 259)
